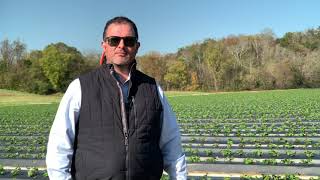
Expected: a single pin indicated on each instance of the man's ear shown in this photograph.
(103, 45)
(102, 57)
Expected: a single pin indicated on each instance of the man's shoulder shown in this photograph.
(90, 73)
(144, 77)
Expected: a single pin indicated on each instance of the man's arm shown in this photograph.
(170, 143)
(61, 138)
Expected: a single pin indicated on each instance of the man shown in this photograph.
(114, 122)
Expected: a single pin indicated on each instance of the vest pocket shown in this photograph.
(97, 134)
(80, 165)
(143, 136)
(153, 103)
(153, 116)
(144, 133)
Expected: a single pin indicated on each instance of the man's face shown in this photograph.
(120, 54)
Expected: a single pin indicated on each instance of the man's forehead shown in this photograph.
(123, 26)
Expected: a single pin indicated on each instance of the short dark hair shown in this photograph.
(120, 19)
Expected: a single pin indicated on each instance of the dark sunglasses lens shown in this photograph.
(114, 41)
(130, 41)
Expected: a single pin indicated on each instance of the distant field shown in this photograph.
(8, 97)
(184, 93)
(242, 135)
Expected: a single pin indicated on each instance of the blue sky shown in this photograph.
(164, 25)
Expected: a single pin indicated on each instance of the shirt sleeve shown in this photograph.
(170, 143)
(62, 133)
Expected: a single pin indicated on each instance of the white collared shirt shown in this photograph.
(62, 135)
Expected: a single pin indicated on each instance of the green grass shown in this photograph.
(14, 98)
(184, 93)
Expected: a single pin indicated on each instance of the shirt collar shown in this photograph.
(117, 76)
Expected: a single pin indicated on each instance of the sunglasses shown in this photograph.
(128, 41)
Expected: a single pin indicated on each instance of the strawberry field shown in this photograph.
(272, 132)
(243, 135)
(24, 133)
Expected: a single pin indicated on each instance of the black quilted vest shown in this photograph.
(107, 149)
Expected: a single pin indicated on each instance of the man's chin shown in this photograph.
(122, 62)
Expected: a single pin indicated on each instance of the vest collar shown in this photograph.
(132, 71)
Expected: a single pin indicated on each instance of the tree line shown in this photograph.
(242, 62)
(44, 71)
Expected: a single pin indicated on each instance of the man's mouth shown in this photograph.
(121, 54)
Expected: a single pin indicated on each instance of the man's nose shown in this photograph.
(121, 44)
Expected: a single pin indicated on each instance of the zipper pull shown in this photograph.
(126, 135)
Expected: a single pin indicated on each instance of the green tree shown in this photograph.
(38, 82)
(214, 59)
(176, 76)
(11, 55)
(192, 56)
(61, 64)
(154, 64)
(311, 69)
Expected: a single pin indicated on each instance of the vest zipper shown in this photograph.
(124, 124)
(125, 129)
(135, 112)
(126, 141)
